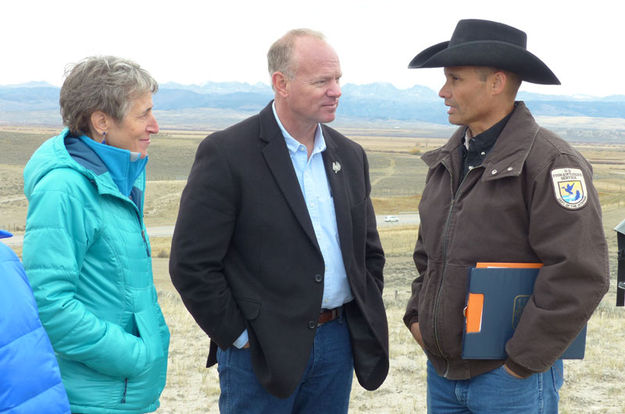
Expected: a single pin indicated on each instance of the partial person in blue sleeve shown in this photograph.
(30, 381)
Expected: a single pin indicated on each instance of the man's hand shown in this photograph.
(416, 333)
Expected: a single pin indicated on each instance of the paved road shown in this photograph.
(12, 198)
(166, 231)
(405, 219)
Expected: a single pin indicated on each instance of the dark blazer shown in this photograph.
(244, 253)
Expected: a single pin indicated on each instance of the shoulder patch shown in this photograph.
(569, 187)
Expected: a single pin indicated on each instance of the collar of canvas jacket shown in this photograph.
(507, 156)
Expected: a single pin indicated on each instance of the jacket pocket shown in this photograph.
(149, 332)
(141, 392)
(426, 308)
(249, 308)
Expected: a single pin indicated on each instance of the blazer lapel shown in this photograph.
(279, 162)
(336, 177)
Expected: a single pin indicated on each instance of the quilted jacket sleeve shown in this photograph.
(25, 348)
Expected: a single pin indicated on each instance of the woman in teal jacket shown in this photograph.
(86, 251)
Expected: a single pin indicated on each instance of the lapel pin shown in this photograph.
(336, 167)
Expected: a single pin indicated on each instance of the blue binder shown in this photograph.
(496, 298)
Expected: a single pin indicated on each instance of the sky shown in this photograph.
(193, 42)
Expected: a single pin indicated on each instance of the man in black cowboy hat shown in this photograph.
(502, 189)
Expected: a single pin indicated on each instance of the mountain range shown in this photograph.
(221, 103)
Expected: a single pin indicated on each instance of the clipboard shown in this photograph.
(496, 297)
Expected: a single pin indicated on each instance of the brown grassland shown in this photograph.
(397, 175)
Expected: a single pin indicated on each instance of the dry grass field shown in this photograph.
(591, 386)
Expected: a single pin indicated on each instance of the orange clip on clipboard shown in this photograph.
(475, 307)
(475, 302)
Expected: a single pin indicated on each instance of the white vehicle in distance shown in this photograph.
(391, 219)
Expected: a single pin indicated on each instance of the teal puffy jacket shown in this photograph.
(87, 256)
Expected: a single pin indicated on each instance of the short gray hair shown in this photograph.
(101, 83)
(279, 57)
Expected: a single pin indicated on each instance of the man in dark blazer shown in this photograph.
(276, 252)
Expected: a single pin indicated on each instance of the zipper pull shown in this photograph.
(125, 390)
(147, 250)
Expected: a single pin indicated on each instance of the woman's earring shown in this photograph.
(104, 137)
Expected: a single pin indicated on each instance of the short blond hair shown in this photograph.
(280, 54)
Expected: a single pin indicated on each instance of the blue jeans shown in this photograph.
(495, 392)
(324, 388)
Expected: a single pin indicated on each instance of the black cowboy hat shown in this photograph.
(486, 43)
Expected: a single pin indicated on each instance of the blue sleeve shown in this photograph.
(241, 340)
(25, 348)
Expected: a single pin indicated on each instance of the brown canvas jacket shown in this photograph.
(507, 210)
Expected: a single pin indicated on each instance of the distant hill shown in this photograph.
(28, 98)
(221, 103)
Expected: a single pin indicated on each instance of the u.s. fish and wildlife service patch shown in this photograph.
(569, 187)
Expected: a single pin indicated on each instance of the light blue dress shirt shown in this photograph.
(313, 182)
